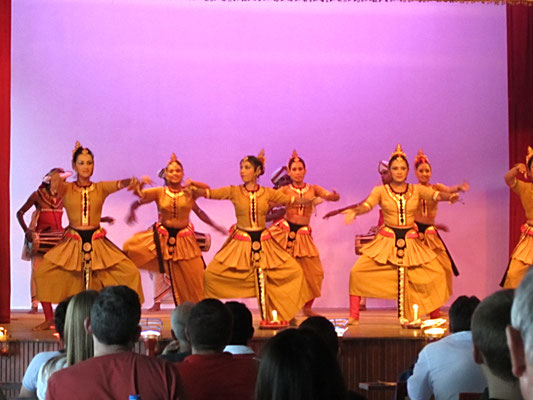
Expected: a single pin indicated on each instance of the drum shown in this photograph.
(204, 240)
(43, 241)
(361, 240)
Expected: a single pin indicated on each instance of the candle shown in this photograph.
(415, 312)
(275, 316)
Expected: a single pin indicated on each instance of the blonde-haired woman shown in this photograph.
(78, 343)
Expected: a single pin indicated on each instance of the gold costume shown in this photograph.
(397, 264)
(522, 256)
(430, 236)
(297, 239)
(251, 263)
(84, 259)
(171, 251)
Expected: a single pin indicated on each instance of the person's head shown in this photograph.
(115, 316)
(82, 161)
(383, 170)
(461, 312)
(529, 161)
(45, 183)
(422, 168)
(178, 320)
(296, 364)
(209, 327)
(252, 167)
(78, 342)
(296, 168)
(489, 321)
(59, 317)
(520, 335)
(173, 172)
(243, 329)
(325, 330)
(398, 165)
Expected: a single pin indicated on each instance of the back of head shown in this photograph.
(115, 316)
(78, 342)
(489, 321)
(323, 328)
(179, 318)
(461, 312)
(522, 313)
(296, 364)
(209, 326)
(59, 317)
(243, 329)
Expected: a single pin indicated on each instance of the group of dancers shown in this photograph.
(279, 265)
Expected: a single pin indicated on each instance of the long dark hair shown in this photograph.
(296, 364)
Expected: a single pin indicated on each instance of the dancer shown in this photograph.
(397, 264)
(425, 219)
(522, 256)
(170, 246)
(44, 232)
(251, 263)
(293, 232)
(85, 258)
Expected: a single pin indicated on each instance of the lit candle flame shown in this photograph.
(415, 311)
(275, 316)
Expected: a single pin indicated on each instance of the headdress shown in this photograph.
(294, 157)
(261, 157)
(398, 152)
(173, 159)
(529, 154)
(421, 158)
(84, 150)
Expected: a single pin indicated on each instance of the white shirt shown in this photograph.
(446, 368)
(238, 349)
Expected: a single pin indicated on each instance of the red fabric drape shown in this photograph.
(5, 122)
(520, 81)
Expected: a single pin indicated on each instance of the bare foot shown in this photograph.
(362, 307)
(155, 307)
(33, 310)
(352, 321)
(308, 312)
(44, 326)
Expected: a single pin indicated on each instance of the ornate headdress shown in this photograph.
(529, 154)
(398, 152)
(421, 158)
(85, 150)
(294, 157)
(261, 157)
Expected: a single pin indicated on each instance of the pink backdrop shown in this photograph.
(213, 81)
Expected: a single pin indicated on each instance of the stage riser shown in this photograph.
(362, 360)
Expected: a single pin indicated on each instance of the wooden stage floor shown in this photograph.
(377, 349)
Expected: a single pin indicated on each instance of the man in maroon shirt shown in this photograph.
(115, 372)
(210, 373)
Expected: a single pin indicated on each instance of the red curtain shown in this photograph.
(520, 81)
(5, 122)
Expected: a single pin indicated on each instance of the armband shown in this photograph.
(436, 195)
(207, 193)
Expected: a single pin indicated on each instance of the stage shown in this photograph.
(377, 349)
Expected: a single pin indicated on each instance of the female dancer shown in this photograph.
(170, 246)
(251, 263)
(293, 232)
(397, 264)
(85, 258)
(522, 256)
(425, 220)
(45, 223)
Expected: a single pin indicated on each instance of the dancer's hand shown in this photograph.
(463, 187)
(29, 235)
(454, 198)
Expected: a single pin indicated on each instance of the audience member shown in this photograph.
(29, 381)
(210, 373)
(243, 330)
(446, 368)
(78, 343)
(115, 372)
(490, 345)
(295, 365)
(180, 347)
(325, 330)
(520, 335)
